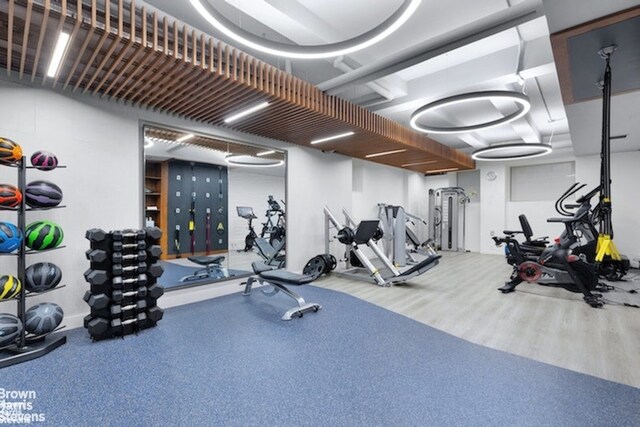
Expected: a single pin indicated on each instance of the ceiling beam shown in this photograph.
(480, 29)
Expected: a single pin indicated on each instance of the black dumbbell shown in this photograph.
(155, 291)
(154, 251)
(120, 283)
(127, 310)
(155, 270)
(155, 314)
(153, 234)
(86, 320)
(119, 269)
(96, 235)
(136, 246)
(96, 277)
(117, 296)
(97, 255)
(119, 257)
(118, 324)
(96, 301)
(120, 235)
(98, 326)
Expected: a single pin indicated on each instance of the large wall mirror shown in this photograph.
(220, 204)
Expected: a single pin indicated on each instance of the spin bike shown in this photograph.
(561, 264)
(246, 212)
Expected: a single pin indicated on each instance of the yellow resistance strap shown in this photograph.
(606, 247)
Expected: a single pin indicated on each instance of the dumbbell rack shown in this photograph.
(123, 279)
(27, 347)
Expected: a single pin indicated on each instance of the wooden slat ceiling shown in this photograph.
(124, 52)
(215, 144)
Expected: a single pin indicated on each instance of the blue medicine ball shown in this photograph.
(10, 237)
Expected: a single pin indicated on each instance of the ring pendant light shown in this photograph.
(253, 162)
(515, 151)
(371, 37)
(524, 105)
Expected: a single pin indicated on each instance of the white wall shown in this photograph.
(252, 189)
(625, 193)
(99, 141)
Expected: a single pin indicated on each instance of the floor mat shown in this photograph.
(232, 361)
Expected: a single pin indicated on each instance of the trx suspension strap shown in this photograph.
(192, 212)
(606, 249)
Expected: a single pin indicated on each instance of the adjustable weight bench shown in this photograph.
(212, 264)
(279, 280)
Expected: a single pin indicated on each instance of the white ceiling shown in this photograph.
(491, 63)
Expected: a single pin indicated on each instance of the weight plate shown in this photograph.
(315, 267)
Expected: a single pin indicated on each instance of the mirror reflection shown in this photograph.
(221, 205)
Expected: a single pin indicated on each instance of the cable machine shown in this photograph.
(447, 213)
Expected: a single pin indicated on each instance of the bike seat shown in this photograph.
(510, 232)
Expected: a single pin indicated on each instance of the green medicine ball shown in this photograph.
(41, 235)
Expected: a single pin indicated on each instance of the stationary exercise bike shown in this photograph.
(560, 264)
(246, 212)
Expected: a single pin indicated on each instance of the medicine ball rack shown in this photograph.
(27, 347)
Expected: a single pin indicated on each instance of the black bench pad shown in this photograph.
(287, 277)
(206, 260)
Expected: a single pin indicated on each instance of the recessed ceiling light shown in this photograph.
(524, 105)
(442, 170)
(246, 112)
(266, 153)
(517, 151)
(406, 165)
(384, 153)
(58, 53)
(225, 26)
(331, 138)
(186, 137)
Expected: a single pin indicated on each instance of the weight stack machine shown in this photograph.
(447, 213)
(123, 279)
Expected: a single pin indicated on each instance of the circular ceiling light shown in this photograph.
(524, 105)
(516, 151)
(253, 162)
(148, 142)
(391, 24)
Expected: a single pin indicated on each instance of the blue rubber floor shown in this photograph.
(232, 361)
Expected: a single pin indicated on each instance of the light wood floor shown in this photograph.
(550, 325)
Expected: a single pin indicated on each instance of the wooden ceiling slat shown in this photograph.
(171, 67)
(43, 30)
(25, 38)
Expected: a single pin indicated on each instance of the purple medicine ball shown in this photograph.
(42, 194)
(44, 160)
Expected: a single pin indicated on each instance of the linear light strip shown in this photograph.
(430, 162)
(442, 170)
(384, 153)
(58, 53)
(246, 112)
(331, 138)
(266, 153)
(185, 137)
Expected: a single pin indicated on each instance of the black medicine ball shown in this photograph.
(42, 276)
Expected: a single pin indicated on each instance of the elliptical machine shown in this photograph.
(274, 227)
(246, 212)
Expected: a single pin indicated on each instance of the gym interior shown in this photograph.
(227, 212)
